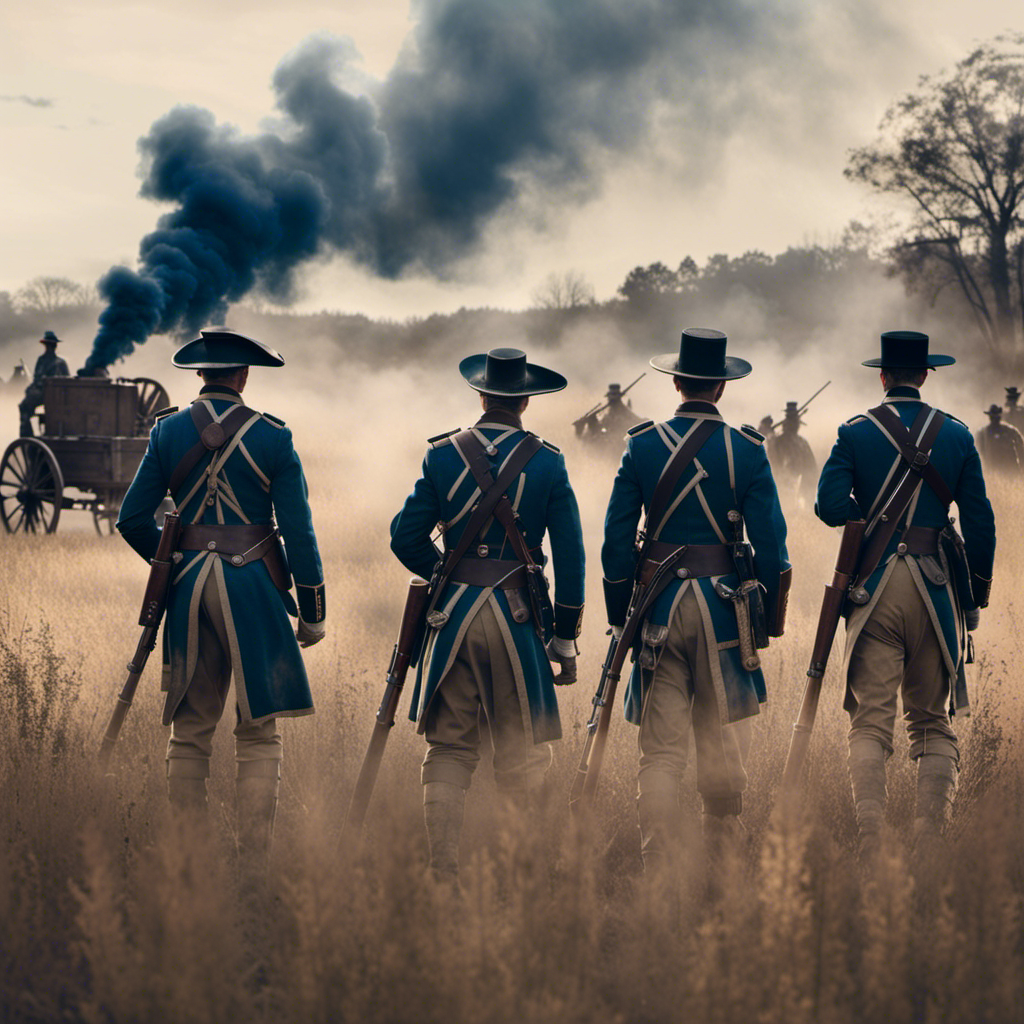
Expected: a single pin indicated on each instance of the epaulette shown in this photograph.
(161, 413)
(859, 418)
(274, 421)
(640, 428)
(747, 431)
(956, 419)
(438, 438)
(553, 447)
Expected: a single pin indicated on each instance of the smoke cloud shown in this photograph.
(491, 103)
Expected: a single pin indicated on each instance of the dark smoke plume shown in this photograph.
(490, 102)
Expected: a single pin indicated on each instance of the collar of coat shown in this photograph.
(220, 391)
(499, 418)
(903, 393)
(698, 408)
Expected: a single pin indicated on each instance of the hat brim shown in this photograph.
(225, 351)
(539, 380)
(933, 363)
(734, 367)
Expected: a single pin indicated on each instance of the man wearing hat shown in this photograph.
(233, 474)
(900, 466)
(690, 672)
(490, 640)
(49, 364)
(1000, 445)
(793, 462)
(1014, 413)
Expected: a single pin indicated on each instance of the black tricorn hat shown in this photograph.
(994, 410)
(49, 338)
(221, 349)
(506, 373)
(702, 355)
(1012, 392)
(907, 350)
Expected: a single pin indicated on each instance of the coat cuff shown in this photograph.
(568, 620)
(616, 600)
(980, 590)
(312, 602)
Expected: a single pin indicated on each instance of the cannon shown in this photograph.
(92, 435)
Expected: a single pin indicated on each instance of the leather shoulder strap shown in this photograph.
(682, 457)
(916, 455)
(212, 437)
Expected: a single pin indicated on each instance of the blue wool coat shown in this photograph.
(730, 471)
(861, 463)
(260, 480)
(445, 495)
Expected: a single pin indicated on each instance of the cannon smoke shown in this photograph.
(490, 103)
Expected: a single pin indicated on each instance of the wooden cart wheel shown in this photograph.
(152, 398)
(105, 512)
(31, 487)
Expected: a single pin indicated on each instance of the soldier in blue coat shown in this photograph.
(907, 631)
(233, 473)
(689, 674)
(485, 649)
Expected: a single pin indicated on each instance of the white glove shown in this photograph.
(563, 653)
(617, 632)
(309, 633)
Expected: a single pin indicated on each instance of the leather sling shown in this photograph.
(484, 508)
(901, 493)
(212, 437)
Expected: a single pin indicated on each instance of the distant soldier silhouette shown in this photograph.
(1014, 415)
(49, 364)
(608, 423)
(1000, 445)
(792, 461)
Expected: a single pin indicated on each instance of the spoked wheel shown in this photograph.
(31, 487)
(106, 511)
(152, 398)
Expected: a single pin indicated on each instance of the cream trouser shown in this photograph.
(682, 696)
(481, 678)
(898, 652)
(193, 725)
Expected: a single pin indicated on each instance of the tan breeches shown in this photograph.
(481, 679)
(898, 652)
(194, 722)
(682, 696)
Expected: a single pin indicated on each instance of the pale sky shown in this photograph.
(750, 157)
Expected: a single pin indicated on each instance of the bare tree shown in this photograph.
(50, 294)
(567, 290)
(955, 150)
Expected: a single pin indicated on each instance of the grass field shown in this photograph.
(110, 911)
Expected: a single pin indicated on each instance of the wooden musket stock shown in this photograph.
(153, 604)
(401, 657)
(828, 621)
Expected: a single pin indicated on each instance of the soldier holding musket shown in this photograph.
(495, 490)
(237, 483)
(916, 592)
(700, 481)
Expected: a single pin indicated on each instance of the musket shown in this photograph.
(153, 604)
(828, 621)
(584, 785)
(601, 406)
(813, 397)
(409, 635)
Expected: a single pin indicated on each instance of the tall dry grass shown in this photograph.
(111, 911)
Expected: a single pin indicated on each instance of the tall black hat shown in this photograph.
(907, 350)
(702, 356)
(222, 349)
(49, 338)
(506, 373)
(1012, 392)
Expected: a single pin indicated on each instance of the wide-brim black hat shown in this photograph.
(506, 373)
(49, 338)
(221, 349)
(994, 410)
(702, 356)
(907, 350)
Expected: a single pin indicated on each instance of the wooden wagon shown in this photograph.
(93, 434)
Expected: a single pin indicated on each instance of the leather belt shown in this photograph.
(240, 544)
(697, 559)
(919, 540)
(503, 573)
